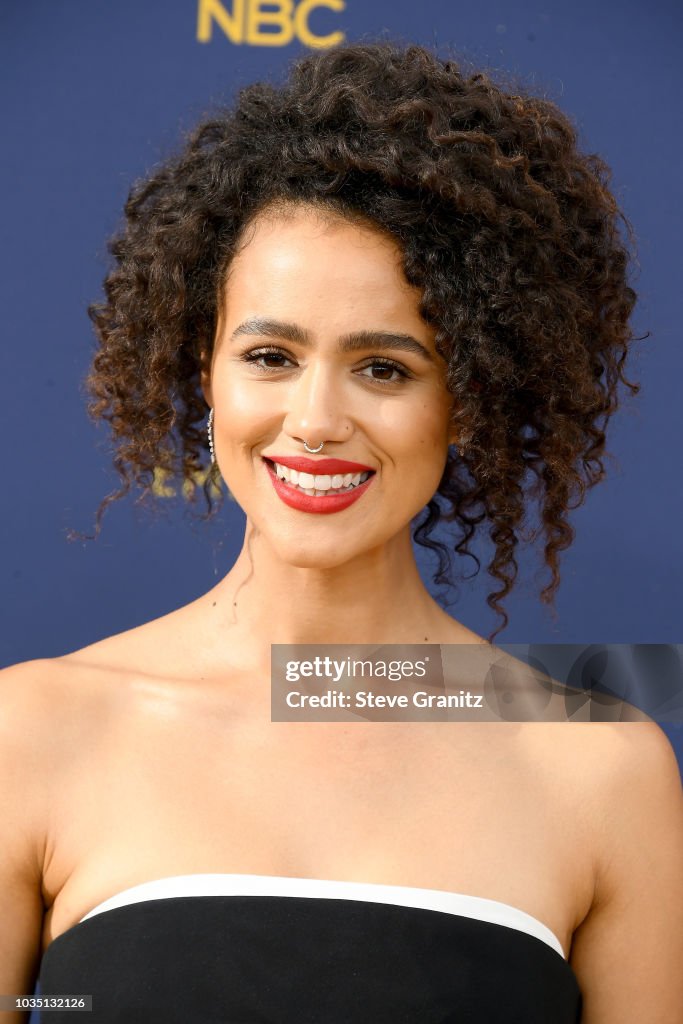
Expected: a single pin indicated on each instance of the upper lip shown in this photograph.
(319, 466)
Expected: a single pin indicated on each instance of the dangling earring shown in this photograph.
(209, 427)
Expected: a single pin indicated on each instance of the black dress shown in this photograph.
(261, 949)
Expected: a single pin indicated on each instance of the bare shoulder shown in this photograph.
(637, 780)
(627, 951)
(29, 699)
(160, 647)
(618, 773)
(50, 709)
(26, 714)
(38, 701)
(25, 685)
(61, 694)
(39, 691)
(631, 764)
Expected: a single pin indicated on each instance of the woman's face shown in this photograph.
(299, 285)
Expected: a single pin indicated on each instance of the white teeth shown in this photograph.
(320, 483)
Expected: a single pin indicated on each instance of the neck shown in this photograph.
(376, 598)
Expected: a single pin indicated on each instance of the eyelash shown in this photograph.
(255, 354)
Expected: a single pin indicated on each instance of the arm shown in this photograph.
(628, 951)
(22, 823)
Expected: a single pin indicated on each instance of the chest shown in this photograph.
(428, 805)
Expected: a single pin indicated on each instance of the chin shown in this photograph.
(308, 559)
(302, 552)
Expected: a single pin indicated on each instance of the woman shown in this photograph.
(386, 283)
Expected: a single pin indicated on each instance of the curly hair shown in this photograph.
(510, 232)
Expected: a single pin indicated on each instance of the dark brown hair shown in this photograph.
(510, 232)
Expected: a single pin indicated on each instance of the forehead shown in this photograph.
(300, 254)
(282, 240)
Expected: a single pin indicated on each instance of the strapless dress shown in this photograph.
(261, 949)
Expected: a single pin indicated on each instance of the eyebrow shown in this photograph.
(269, 328)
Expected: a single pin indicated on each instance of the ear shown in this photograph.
(205, 376)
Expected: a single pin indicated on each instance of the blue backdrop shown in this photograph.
(94, 93)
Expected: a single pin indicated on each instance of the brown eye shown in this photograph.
(256, 355)
(388, 367)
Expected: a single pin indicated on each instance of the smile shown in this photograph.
(319, 493)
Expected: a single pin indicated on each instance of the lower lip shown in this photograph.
(308, 502)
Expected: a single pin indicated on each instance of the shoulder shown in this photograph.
(25, 770)
(630, 772)
(619, 775)
(639, 809)
(62, 694)
(628, 949)
(28, 692)
(35, 699)
(48, 705)
(29, 744)
(160, 647)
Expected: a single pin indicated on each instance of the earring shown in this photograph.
(209, 431)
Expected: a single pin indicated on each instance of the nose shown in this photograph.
(317, 409)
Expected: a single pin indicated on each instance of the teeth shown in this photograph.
(317, 484)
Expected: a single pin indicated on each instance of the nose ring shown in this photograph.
(314, 450)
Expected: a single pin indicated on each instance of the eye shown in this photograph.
(388, 364)
(254, 357)
(257, 354)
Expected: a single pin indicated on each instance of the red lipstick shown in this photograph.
(321, 504)
(319, 466)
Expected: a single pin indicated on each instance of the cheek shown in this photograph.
(243, 409)
(419, 430)
(426, 437)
